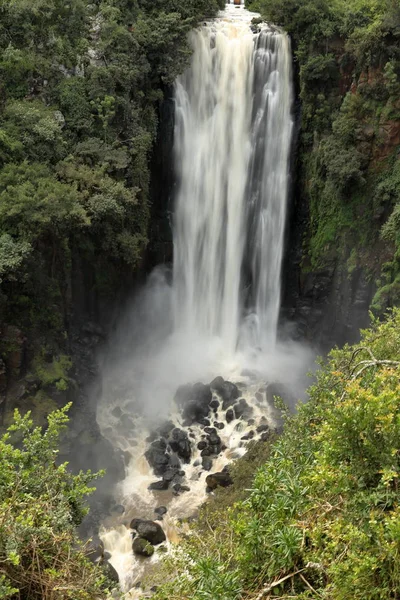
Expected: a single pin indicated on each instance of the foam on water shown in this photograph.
(219, 316)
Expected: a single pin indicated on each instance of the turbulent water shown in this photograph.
(232, 144)
(219, 317)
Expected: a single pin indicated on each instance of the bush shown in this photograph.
(41, 504)
(322, 518)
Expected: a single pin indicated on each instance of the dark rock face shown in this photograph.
(157, 456)
(242, 409)
(222, 479)
(94, 550)
(161, 510)
(109, 571)
(142, 547)
(227, 390)
(158, 486)
(180, 444)
(194, 402)
(206, 463)
(149, 530)
(230, 415)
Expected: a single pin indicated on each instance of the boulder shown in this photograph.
(227, 390)
(161, 510)
(157, 486)
(230, 415)
(201, 445)
(242, 409)
(142, 547)
(181, 444)
(109, 571)
(157, 457)
(222, 479)
(149, 530)
(169, 475)
(210, 430)
(197, 403)
(94, 550)
(262, 428)
(165, 429)
(214, 438)
(206, 463)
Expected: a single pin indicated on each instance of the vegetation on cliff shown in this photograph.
(322, 517)
(41, 504)
(348, 58)
(79, 94)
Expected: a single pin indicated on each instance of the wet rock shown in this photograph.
(127, 457)
(181, 444)
(217, 383)
(206, 452)
(262, 428)
(210, 430)
(170, 474)
(94, 550)
(109, 571)
(230, 415)
(222, 479)
(165, 429)
(215, 449)
(251, 422)
(118, 509)
(201, 445)
(174, 462)
(116, 412)
(214, 404)
(197, 463)
(214, 438)
(142, 547)
(219, 425)
(157, 457)
(205, 422)
(185, 488)
(194, 402)
(248, 436)
(161, 510)
(149, 530)
(264, 437)
(206, 463)
(259, 397)
(242, 409)
(227, 390)
(158, 486)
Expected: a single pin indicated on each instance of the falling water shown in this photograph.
(232, 144)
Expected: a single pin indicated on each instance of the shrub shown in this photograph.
(41, 504)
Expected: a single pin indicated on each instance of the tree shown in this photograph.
(41, 504)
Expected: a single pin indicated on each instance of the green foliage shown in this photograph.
(349, 67)
(322, 518)
(41, 504)
(80, 88)
(55, 371)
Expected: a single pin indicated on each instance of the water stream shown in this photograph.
(233, 129)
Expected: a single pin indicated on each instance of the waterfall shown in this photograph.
(232, 143)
